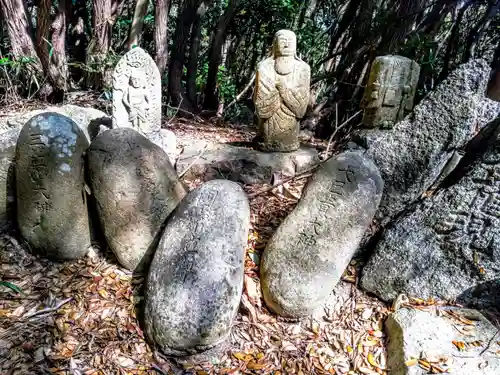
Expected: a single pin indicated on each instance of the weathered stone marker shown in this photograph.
(196, 278)
(137, 99)
(307, 255)
(85, 118)
(391, 88)
(448, 245)
(135, 188)
(137, 92)
(51, 201)
(281, 95)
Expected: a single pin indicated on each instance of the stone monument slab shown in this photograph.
(51, 200)
(137, 92)
(310, 250)
(196, 278)
(390, 91)
(448, 245)
(135, 188)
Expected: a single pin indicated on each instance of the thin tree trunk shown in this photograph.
(19, 31)
(178, 57)
(43, 32)
(194, 48)
(98, 49)
(58, 66)
(77, 37)
(161, 34)
(141, 7)
(215, 55)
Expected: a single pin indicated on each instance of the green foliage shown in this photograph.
(11, 286)
(18, 77)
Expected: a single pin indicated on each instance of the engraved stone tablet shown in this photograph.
(135, 188)
(448, 246)
(281, 95)
(196, 278)
(87, 119)
(390, 91)
(307, 255)
(51, 200)
(137, 92)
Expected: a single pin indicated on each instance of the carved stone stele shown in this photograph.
(390, 91)
(281, 95)
(137, 93)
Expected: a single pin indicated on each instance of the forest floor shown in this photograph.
(82, 317)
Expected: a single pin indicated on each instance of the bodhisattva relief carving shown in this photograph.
(391, 88)
(137, 93)
(281, 95)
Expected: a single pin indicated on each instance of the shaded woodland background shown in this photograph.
(207, 50)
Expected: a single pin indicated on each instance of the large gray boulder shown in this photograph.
(242, 164)
(90, 121)
(51, 202)
(433, 338)
(307, 255)
(448, 245)
(413, 154)
(135, 188)
(195, 281)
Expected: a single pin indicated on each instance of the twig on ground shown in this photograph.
(194, 161)
(337, 128)
(305, 174)
(176, 110)
(238, 97)
(179, 109)
(48, 310)
(489, 343)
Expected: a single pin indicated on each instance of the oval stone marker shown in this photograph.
(51, 203)
(307, 255)
(196, 278)
(135, 188)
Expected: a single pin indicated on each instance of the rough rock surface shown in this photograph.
(135, 188)
(307, 255)
(415, 334)
(412, 155)
(51, 201)
(167, 140)
(242, 164)
(448, 245)
(195, 281)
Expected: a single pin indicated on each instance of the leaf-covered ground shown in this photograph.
(84, 317)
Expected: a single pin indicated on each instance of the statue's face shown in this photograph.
(285, 43)
(135, 82)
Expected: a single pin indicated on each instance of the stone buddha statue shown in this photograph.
(281, 95)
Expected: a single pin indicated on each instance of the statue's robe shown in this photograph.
(280, 102)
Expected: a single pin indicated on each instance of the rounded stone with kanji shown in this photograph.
(307, 255)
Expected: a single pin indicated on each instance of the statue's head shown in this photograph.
(135, 80)
(285, 43)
